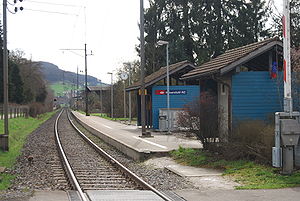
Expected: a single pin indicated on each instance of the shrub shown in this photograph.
(252, 140)
(38, 108)
(201, 118)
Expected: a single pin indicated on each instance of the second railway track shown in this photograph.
(90, 168)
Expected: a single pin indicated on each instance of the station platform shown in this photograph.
(126, 138)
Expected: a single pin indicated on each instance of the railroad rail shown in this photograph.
(88, 167)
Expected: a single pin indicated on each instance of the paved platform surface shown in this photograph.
(129, 135)
(288, 194)
(49, 196)
(133, 195)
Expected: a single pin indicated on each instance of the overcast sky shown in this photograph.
(46, 26)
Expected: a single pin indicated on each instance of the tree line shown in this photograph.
(26, 82)
(198, 30)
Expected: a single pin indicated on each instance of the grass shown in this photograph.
(103, 115)
(249, 174)
(19, 129)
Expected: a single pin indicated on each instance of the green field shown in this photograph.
(19, 129)
(59, 88)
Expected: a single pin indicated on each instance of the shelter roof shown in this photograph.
(232, 59)
(162, 73)
(98, 88)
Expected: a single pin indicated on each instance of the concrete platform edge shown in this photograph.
(127, 150)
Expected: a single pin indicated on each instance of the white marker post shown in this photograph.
(288, 102)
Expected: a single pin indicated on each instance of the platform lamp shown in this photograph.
(161, 43)
(101, 97)
(111, 96)
(129, 93)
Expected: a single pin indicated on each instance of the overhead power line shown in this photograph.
(54, 12)
(51, 3)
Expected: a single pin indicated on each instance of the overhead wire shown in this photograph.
(54, 12)
(51, 3)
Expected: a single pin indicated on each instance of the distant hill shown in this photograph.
(53, 74)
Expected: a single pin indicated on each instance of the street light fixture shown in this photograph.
(160, 43)
(111, 96)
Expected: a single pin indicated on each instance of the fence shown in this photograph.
(15, 112)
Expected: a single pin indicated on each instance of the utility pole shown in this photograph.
(4, 138)
(143, 99)
(77, 90)
(86, 87)
(85, 66)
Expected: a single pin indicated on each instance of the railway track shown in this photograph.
(88, 167)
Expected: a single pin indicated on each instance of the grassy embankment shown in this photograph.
(249, 174)
(59, 88)
(19, 129)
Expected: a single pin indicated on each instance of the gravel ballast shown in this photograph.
(38, 166)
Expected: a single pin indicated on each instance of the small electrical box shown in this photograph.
(290, 132)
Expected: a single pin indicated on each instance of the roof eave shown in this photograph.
(199, 76)
(248, 57)
(161, 77)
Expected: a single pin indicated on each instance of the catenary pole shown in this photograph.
(142, 38)
(86, 87)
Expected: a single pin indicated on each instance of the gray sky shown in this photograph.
(111, 32)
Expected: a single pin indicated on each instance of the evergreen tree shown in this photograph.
(295, 23)
(198, 30)
(15, 84)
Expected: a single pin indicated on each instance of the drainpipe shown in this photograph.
(229, 101)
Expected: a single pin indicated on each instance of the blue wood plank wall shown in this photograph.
(181, 96)
(256, 96)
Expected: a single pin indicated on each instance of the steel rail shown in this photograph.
(66, 163)
(118, 164)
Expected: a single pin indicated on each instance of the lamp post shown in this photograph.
(129, 94)
(124, 77)
(101, 99)
(111, 96)
(160, 43)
